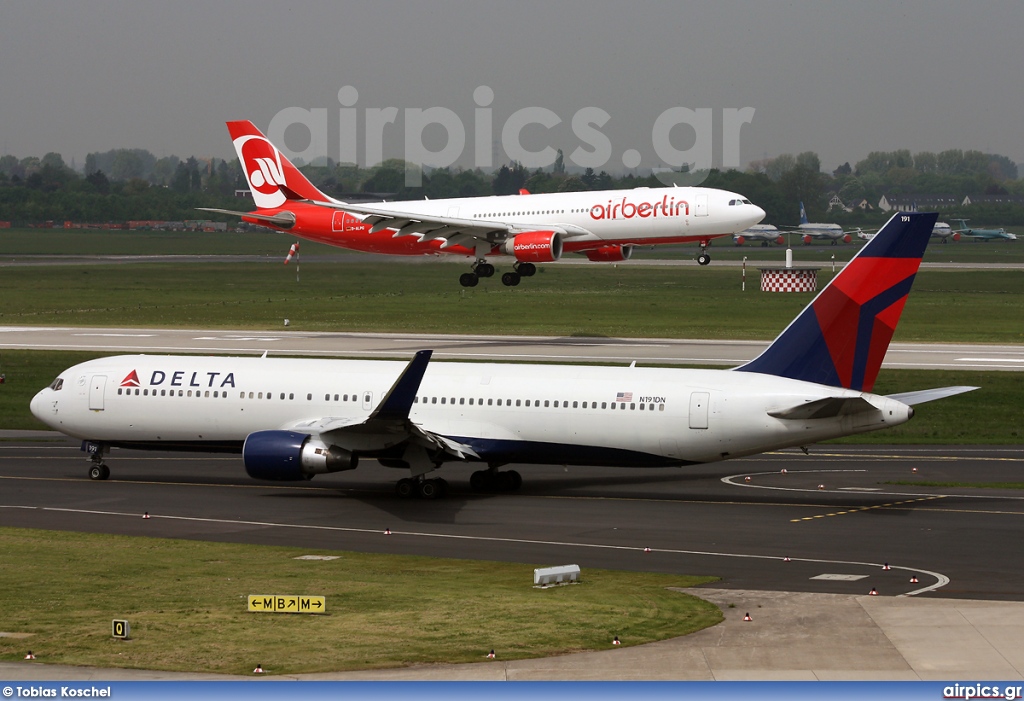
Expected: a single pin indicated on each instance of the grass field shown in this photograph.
(968, 306)
(1000, 401)
(186, 605)
(21, 242)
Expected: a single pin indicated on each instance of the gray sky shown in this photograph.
(841, 79)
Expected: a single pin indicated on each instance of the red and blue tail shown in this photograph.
(841, 337)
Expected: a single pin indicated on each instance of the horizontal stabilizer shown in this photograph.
(929, 395)
(826, 408)
(283, 219)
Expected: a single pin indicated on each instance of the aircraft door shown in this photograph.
(97, 387)
(453, 212)
(700, 205)
(368, 400)
(699, 409)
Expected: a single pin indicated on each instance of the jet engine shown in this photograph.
(847, 238)
(288, 455)
(780, 240)
(955, 237)
(534, 247)
(807, 240)
(609, 254)
(740, 240)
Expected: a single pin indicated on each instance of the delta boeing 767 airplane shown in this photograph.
(295, 418)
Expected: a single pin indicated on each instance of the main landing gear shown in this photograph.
(704, 258)
(509, 279)
(494, 481)
(408, 488)
(97, 470)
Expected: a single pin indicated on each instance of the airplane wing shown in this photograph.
(929, 395)
(389, 423)
(454, 230)
(825, 408)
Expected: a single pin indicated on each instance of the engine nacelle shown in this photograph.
(807, 240)
(609, 254)
(534, 247)
(955, 237)
(740, 240)
(780, 240)
(847, 238)
(288, 455)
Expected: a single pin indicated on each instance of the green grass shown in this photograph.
(948, 306)
(987, 416)
(186, 605)
(965, 485)
(88, 242)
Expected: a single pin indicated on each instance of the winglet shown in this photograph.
(398, 401)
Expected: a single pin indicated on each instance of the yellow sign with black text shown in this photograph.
(278, 603)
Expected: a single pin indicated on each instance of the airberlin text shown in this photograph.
(196, 379)
(64, 692)
(667, 207)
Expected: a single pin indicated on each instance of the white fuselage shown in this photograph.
(554, 414)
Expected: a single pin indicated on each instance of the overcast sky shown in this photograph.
(841, 79)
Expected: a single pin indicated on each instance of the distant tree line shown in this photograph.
(124, 184)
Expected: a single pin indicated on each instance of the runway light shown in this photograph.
(782, 471)
(490, 655)
(747, 478)
(913, 579)
(821, 486)
(647, 550)
(786, 559)
(387, 531)
(616, 641)
(258, 670)
(30, 656)
(914, 470)
(746, 617)
(873, 592)
(145, 515)
(886, 566)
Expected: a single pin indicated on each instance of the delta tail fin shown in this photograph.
(272, 178)
(803, 214)
(841, 337)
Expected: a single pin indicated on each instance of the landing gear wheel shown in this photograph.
(526, 269)
(510, 279)
(468, 279)
(430, 489)
(405, 488)
(478, 481)
(517, 480)
(484, 270)
(703, 259)
(99, 472)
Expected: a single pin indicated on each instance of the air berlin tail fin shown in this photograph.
(841, 337)
(272, 178)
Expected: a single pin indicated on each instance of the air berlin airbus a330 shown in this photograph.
(602, 225)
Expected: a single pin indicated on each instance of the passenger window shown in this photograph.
(433, 400)
(207, 395)
(518, 402)
(335, 397)
(546, 402)
(661, 407)
(556, 403)
(471, 401)
(462, 400)
(490, 402)
(145, 393)
(260, 396)
(575, 405)
(189, 392)
(309, 397)
(215, 395)
(291, 395)
(632, 407)
(604, 405)
(443, 399)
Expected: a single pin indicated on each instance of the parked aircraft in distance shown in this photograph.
(983, 234)
(818, 230)
(765, 233)
(944, 233)
(293, 418)
(602, 225)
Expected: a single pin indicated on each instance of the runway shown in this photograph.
(839, 514)
(925, 356)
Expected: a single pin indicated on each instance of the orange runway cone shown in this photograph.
(746, 617)
(873, 592)
(913, 579)
(258, 670)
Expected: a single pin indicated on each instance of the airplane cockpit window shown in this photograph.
(746, 201)
(57, 384)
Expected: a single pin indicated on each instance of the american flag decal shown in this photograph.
(623, 396)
